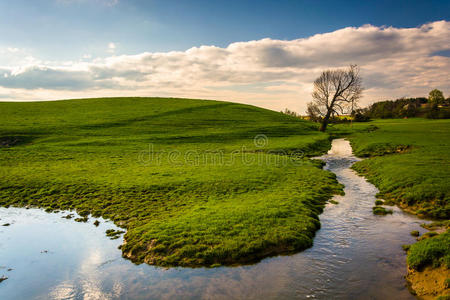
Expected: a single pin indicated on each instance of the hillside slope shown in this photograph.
(194, 182)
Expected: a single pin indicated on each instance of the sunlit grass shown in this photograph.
(409, 162)
(184, 177)
(433, 251)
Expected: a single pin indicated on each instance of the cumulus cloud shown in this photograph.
(272, 73)
(36, 77)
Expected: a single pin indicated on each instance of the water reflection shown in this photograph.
(355, 255)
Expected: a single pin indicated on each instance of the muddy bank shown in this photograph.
(429, 283)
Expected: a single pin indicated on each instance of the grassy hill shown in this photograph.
(186, 178)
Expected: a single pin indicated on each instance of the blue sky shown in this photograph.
(66, 29)
(262, 52)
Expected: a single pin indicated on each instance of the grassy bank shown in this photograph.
(429, 266)
(409, 162)
(186, 178)
(433, 251)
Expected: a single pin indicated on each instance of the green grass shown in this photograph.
(378, 210)
(409, 162)
(184, 177)
(415, 233)
(379, 202)
(445, 224)
(433, 251)
(427, 235)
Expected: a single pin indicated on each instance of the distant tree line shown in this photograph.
(436, 106)
(400, 108)
(433, 107)
(335, 100)
(289, 112)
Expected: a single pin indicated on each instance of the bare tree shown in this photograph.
(335, 92)
(313, 112)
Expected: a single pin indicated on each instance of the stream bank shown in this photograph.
(355, 255)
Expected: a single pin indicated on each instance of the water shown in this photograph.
(356, 255)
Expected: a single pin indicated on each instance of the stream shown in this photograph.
(356, 255)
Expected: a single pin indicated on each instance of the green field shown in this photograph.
(409, 162)
(184, 177)
(191, 183)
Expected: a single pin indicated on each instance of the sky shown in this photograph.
(265, 53)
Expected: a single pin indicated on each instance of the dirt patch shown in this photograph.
(429, 283)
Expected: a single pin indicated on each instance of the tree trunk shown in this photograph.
(323, 125)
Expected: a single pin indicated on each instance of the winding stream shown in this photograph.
(356, 255)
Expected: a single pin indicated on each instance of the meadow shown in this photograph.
(208, 183)
(409, 162)
(194, 182)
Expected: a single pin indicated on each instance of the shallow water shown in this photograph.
(356, 255)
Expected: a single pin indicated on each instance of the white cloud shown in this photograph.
(394, 62)
(111, 47)
(12, 49)
(12, 57)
